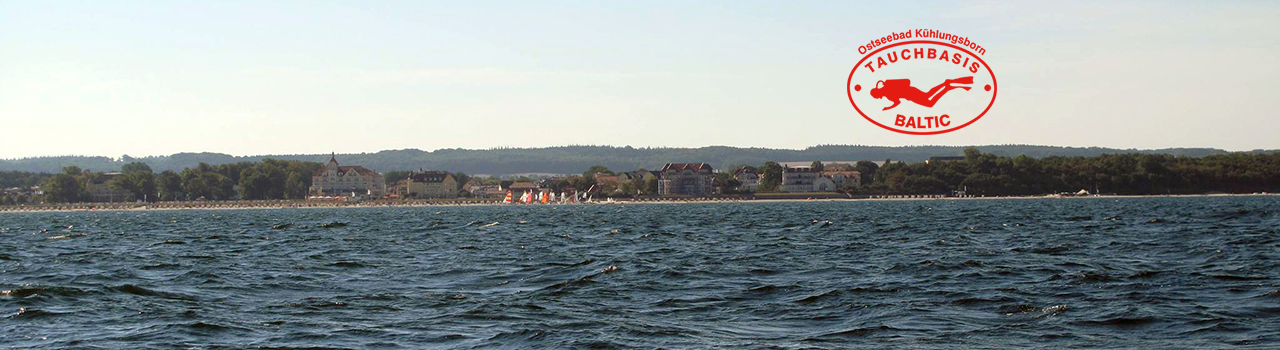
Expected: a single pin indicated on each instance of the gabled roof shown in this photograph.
(695, 167)
(853, 174)
(522, 185)
(602, 178)
(347, 170)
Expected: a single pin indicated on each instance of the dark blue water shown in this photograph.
(1126, 273)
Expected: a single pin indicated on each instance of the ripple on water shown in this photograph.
(1026, 273)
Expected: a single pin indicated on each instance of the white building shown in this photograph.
(798, 179)
(336, 180)
(749, 178)
(805, 179)
(686, 179)
(844, 178)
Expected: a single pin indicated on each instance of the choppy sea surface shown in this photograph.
(1198, 272)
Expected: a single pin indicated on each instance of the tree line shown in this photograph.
(267, 179)
(984, 174)
(987, 174)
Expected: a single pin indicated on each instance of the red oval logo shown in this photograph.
(922, 87)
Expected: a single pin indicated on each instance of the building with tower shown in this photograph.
(351, 180)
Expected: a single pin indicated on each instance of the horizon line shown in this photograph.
(120, 157)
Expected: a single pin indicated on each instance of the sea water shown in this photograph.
(1190, 272)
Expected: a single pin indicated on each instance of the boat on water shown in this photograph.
(550, 197)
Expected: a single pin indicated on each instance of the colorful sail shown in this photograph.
(508, 199)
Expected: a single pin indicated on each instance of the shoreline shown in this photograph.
(302, 204)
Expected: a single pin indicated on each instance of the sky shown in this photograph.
(142, 78)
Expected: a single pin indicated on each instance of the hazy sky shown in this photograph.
(148, 78)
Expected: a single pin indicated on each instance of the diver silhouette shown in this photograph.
(897, 89)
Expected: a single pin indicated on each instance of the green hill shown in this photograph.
(574, 159)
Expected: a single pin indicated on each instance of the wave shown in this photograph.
(351, 264)
(1120, 321)
(818, 297)
(856, 332)
(30, 313)
(136, 290)
(37, 290)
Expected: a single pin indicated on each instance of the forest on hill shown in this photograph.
(572, 159)
(975, 173)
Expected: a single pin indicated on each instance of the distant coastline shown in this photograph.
(571, 159)
(303, 204)
(277, 183)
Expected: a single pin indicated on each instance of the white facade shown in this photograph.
(750, 179)
(686, 179)
(844, 178)
(799, 179)
(345, 180)
(806, 179)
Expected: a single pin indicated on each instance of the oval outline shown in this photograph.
(995, 87)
